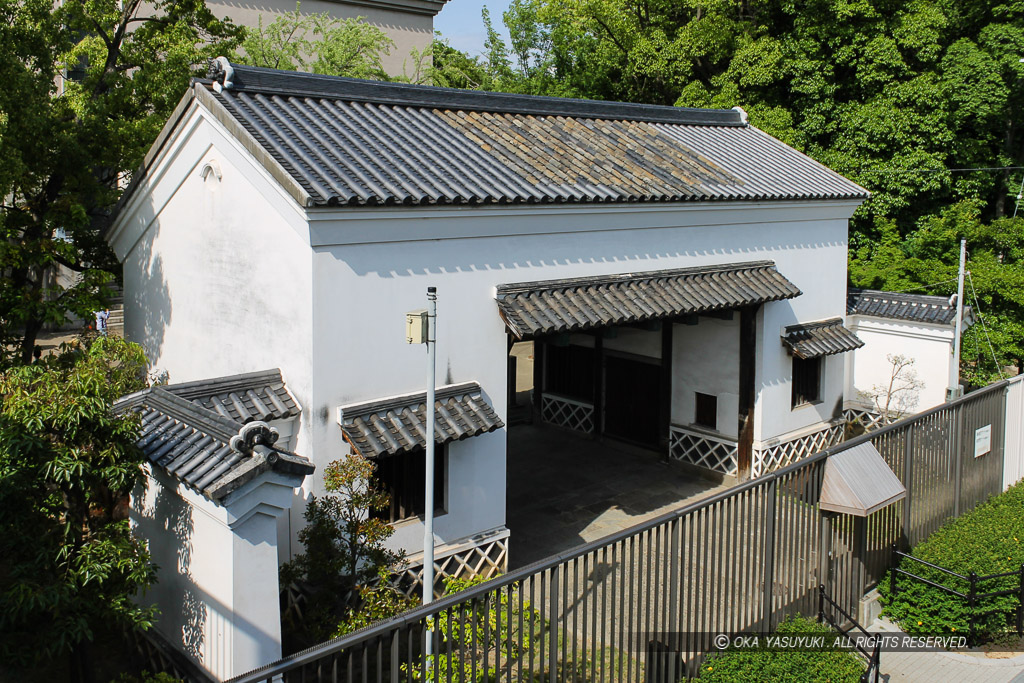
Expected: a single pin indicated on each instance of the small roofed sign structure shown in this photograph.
(858, 482)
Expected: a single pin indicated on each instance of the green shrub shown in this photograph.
(785, 666)
(987, 540)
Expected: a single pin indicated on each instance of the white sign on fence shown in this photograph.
(982, 440)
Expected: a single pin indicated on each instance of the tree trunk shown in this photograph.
(80, 659)
(28, 343)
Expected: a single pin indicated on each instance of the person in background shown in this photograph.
(101, 322)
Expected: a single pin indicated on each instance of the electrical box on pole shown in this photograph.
(416, 325)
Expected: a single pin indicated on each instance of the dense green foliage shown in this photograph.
(772, 666)
(987, 540)
(317, 43)
(894, 95)
(87, 87)
(483, 635)
(345, 558)
(69, 563)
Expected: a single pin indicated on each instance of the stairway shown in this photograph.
(115, 323)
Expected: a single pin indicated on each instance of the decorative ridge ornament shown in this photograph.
(221, 69)
(251, 435)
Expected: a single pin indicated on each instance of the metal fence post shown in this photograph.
(892, 572)
(554, 626)
(971, 599)
(769, 557)
(958, 464)
(821, 603)
(1020, 604)
(908, 478)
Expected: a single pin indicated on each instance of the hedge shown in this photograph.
(987, 540)
(785, 666)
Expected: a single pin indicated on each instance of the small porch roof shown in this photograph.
(858, 482)
(811, 340)
(393, 425)
(552, 306)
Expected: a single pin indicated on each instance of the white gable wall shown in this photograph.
(216, 272)
(931, 347)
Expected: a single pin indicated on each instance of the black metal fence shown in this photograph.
(848, 625)
(974, 597)
(645, 604)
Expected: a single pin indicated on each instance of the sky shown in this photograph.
(461, 24)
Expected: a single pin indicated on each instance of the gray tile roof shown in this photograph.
(921, 308)
(338, 141)
(210, 453)
(394, 425)
(810, 340)
(243, 398)
(552, 306)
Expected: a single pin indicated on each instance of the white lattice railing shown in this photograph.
(567, 412)
(483, 557)
(702, 449)
(781, 454)
(866, 418)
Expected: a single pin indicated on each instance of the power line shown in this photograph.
(942, 170)
(981, 319)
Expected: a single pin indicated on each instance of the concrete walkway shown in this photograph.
(565, 489)
(951, 667)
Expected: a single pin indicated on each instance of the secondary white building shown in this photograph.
(681, 274)
(912, 326)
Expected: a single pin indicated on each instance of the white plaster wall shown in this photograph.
(705, 358)
(217, 586)
(194, 587)
(931, 347)
(217, 275)
(372, 267)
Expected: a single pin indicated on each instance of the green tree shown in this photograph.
(69, 563)
(87, 87)
(345, 555)
(318, 43)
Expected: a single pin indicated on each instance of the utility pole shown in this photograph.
(955, 390)
(421, 328)
(428, 499)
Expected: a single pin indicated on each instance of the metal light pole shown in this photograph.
(421, 328)
(428, 506)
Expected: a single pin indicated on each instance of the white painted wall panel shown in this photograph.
(930, 346)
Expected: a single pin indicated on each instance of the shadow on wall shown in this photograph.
(175, 516)
(526, 251)
(147, 301)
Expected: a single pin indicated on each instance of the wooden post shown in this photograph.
(665, 418)
(538, 376)
(747, 390)
(598, 383)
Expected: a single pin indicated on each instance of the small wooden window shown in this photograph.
(706, 410)
(806, 381)
(402, 477)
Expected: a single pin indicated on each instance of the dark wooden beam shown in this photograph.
(665, 404)
(748, 390)
(598, 384)
(538, 375)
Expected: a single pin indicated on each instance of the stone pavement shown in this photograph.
(951, 667)
(565, 489)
